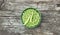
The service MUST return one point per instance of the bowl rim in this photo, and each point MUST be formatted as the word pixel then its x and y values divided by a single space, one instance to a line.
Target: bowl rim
pixel 37 12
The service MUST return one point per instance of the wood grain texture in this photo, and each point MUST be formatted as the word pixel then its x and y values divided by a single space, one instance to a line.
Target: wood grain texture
pixel 10 17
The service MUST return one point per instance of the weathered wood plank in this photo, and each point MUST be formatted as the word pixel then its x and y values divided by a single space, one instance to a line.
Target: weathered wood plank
pixel 49 20
pixel 17 13
pixel 10 18
pixel 14 5
pixel 29 0
pixel 10 13
pixel 12 24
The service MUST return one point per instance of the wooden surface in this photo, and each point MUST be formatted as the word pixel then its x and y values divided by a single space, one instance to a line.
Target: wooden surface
pixel 10 17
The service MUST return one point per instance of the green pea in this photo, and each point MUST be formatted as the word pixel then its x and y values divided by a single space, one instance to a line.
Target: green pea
pixel 31 17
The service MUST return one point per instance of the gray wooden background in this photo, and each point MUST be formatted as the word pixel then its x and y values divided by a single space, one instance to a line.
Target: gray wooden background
pixel 10 17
